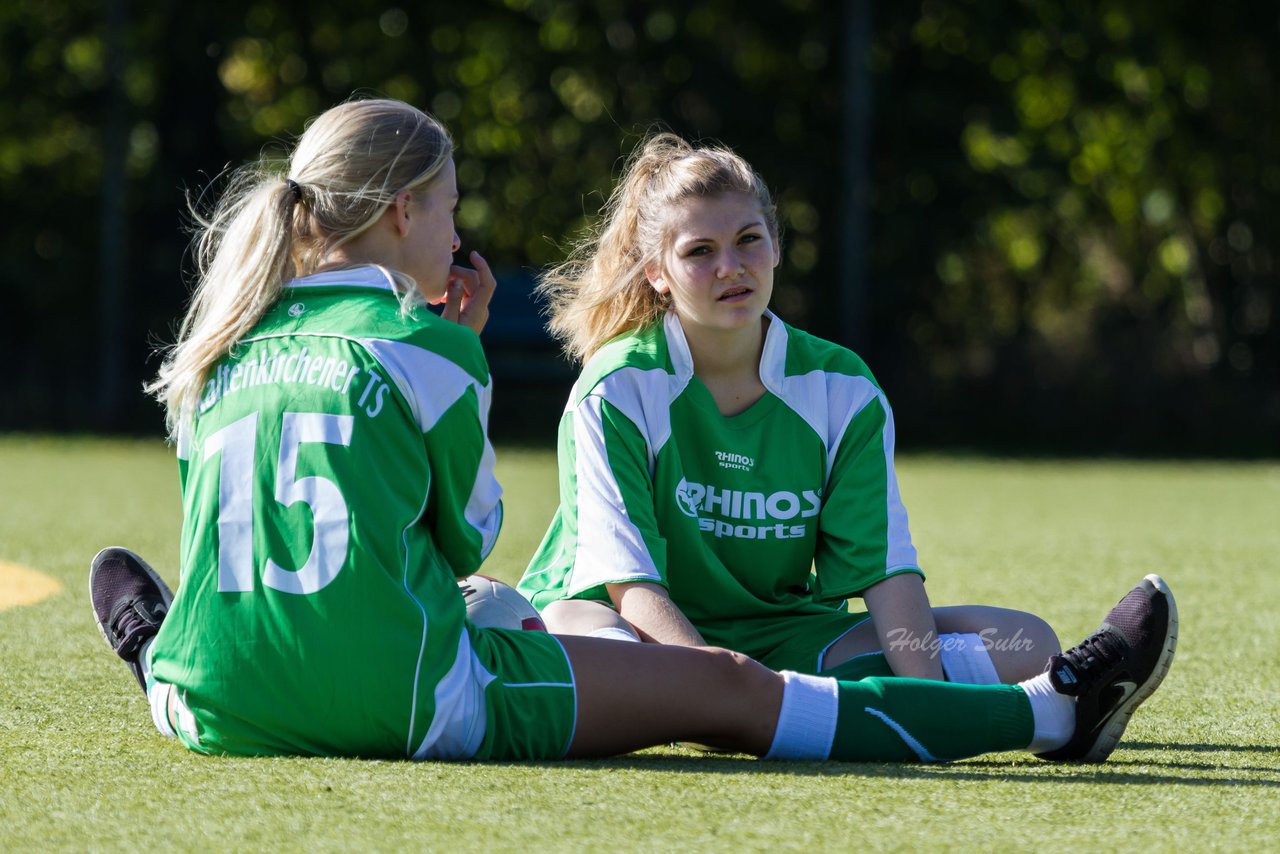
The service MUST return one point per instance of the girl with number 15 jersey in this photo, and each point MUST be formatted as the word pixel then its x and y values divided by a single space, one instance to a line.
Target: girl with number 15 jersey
pixel 290 455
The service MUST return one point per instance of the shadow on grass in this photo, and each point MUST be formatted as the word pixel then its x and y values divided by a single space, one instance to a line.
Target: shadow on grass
pixel 1118 771
pixel 1202 748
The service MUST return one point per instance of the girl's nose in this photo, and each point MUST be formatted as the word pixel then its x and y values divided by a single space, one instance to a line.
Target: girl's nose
pixel 730 267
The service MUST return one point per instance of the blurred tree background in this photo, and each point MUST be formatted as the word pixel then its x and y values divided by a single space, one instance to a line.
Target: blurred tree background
pixel 1048 226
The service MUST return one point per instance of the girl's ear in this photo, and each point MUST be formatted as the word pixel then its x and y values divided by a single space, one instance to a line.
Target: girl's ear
pixel 777 253
pixel 653 272
pixel 400 211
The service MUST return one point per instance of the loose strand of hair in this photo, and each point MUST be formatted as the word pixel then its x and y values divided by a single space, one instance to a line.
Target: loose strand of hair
pixel 243 256
pixel 602 291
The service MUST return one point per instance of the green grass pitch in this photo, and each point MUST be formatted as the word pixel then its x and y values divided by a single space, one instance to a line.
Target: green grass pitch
pixel 82 769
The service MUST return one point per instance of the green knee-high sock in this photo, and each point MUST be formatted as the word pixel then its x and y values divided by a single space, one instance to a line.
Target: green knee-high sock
pixel 896 720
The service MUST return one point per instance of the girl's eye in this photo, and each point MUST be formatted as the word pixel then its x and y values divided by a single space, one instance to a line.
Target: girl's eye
pixel 697 250
pixel 749 238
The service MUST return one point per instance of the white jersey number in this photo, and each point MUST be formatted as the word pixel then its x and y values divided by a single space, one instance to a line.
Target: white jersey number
pixel 237 442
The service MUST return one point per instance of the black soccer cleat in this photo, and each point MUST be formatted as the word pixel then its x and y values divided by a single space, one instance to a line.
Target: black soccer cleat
pixel 130 600
pixel 1115 669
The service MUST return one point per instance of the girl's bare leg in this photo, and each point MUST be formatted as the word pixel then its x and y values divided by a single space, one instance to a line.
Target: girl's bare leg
pixel 1019 643
pixel 632 696
pixel 582 617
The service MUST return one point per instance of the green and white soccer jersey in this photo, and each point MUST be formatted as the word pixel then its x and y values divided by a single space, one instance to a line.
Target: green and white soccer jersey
pixel 335 479
pixel 786 509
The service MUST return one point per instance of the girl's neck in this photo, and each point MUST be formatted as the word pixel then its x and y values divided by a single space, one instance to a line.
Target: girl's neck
pixel 728 363
pixel 726 353
pixel 342 259
pixel 374 246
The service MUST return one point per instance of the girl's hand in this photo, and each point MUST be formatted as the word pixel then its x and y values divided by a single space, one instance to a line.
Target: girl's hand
pixel 467 293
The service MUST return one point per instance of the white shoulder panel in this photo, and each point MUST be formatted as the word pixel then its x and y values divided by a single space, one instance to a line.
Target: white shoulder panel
pixel 429 382
pixel 644 397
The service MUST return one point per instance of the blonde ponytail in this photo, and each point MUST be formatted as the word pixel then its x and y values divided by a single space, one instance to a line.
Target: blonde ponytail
pixel 601 291
pixel 271 225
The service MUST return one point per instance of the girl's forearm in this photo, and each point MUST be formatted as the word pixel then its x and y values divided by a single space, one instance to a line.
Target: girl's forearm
pixel 900 610
pixel 649 609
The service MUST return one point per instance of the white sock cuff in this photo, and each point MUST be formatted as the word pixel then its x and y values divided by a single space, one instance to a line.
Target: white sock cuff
pixel 157 692
pixel 158 697
pixel 1053 714
pixel 613 633
pixel 966 659
pixel 807 721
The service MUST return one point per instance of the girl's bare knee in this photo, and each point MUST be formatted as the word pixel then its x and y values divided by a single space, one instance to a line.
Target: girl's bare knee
pixel 580 617
pixel 741 674
pixel 1021 651
pixel 1044 637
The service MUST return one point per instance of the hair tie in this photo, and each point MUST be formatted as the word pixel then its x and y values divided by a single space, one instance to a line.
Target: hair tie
pixel 295 188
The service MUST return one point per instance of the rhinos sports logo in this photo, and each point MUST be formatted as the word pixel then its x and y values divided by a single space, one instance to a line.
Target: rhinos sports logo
pixel 740 513
pixel 685 501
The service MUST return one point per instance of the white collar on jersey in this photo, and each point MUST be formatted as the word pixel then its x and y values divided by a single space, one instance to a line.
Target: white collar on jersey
pixel 368 276
pixel 773 359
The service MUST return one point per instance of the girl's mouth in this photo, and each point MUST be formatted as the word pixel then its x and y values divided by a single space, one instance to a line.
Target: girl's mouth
pixel 733 293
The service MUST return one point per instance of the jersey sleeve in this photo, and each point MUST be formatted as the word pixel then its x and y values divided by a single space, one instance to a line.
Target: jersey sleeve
pixel 451 406
pixel 609 485
pixel 863 536
pixel 464 506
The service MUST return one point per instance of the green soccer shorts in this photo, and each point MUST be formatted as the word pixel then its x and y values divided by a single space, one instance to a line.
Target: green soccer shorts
pixel 531 706
pixel 799 641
